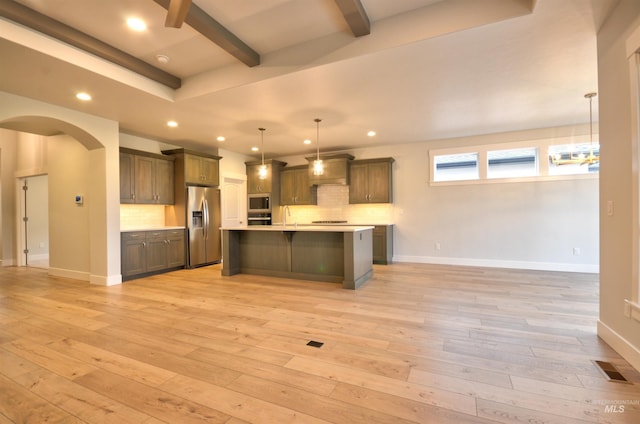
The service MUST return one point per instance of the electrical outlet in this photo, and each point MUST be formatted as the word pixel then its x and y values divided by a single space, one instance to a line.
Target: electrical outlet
pixel 627 309
pixel 437 246
pixel 576 251
pixel 610 207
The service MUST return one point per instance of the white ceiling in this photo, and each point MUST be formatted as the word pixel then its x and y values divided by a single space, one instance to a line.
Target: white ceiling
pixel 430 69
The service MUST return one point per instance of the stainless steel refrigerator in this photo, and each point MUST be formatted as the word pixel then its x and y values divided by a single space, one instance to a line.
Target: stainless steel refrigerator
pixel 203 225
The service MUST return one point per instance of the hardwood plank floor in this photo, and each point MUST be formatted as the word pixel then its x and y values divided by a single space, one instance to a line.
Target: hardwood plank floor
pixel 416 344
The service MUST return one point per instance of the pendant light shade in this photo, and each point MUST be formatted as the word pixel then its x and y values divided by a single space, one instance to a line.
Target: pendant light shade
pixel 262 170
pixel 318 167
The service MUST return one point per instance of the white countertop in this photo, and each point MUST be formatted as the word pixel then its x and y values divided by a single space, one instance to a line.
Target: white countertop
pixel 143 228
pixel 309 228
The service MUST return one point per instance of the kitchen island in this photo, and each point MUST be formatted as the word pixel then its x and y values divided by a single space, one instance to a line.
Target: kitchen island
pixel 339 254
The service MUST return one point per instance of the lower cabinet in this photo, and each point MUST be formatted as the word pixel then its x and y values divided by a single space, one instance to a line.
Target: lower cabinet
pixel 382 244
pixel 151 252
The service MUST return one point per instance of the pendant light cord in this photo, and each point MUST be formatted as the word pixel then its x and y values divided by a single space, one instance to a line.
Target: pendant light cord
pixel 318 120
pixel 262 143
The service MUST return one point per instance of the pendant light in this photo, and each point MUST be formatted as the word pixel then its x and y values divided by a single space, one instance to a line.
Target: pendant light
pixel 318 167
pixel 592 158
pixel 262 170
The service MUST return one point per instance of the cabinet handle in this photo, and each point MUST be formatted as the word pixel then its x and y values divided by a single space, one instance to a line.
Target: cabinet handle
pixel 144 244
pixel 133 196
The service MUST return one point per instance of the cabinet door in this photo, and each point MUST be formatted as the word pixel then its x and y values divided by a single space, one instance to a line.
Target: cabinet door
pixel 210 173
pixel 287 187
pixel 145 170
pixel 379 182
pixel 164 182
pixel 175 248
pixel 133 256
pixel 192 171
pixel 156 251
pixel 127 178
pixel 303 193
pixel 254 183
pixel 358 186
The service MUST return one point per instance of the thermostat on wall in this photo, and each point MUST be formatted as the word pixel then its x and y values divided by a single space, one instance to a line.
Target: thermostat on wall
pixel 79 199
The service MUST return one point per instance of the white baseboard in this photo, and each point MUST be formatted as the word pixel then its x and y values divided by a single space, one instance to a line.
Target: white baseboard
pixel 492 263
pixel 41 257
pixel 7 262
pixel 109 280
pixel 621 345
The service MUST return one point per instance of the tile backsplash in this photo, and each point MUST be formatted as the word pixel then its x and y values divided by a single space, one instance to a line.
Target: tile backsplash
pixel 141 216
pixel 333 205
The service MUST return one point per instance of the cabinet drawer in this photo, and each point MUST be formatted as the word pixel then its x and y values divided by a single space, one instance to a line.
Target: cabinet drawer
pixel 135 235
pixel 173 234
pixel 156 235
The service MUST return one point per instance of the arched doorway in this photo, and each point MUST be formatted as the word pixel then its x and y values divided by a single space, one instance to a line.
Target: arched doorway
pixel 82 159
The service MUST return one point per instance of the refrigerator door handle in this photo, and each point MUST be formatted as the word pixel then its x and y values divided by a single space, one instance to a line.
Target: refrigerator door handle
pixel 205 212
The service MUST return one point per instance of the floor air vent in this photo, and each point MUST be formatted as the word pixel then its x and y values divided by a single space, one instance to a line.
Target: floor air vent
pixel 610 372
pixel 315 344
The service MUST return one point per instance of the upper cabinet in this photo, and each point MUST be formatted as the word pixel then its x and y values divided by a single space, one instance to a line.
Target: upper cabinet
pixel 195 168
pixel 295 188
pixel 270 184
pixel 371 181
pixel 336 169
pixel 145 178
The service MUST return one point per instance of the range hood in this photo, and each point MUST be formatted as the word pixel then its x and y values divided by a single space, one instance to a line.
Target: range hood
pixel 336 169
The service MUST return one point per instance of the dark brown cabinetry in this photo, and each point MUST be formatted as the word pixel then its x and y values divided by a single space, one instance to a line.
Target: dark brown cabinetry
pixel 382 244
pixel 195 168
pixel 145 178
pixel 150 252
pixel 371 181
pixel 271 184
pixel 295 188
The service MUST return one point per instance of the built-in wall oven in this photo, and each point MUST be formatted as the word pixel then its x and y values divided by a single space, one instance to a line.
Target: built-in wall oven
pixel 259 209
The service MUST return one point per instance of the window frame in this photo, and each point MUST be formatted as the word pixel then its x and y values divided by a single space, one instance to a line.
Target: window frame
pixel 541 146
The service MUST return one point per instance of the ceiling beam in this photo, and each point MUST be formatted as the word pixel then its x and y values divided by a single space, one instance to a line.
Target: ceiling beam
pixel 356 16
pixel 56 29
pixel 199 20
pixel 177 11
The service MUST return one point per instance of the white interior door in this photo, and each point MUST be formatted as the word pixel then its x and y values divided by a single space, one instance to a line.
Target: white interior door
pixel 34 217
pixel 234 200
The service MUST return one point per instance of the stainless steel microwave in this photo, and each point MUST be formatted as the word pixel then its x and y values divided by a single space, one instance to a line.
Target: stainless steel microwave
pixel 259 202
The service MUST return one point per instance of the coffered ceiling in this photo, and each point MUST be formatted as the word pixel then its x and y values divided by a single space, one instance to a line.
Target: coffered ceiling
pixel 427 69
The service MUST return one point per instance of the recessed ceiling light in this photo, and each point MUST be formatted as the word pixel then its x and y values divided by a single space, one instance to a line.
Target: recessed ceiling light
pixel 172 124
pixel 220 138
pixel 371 133
pixel 85 97
pixel 162 58
pixel 136 24
pixel 254 149
pixel 307 141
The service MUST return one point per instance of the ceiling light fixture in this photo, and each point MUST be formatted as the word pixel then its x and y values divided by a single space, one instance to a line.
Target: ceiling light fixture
pixel 307 141
pixel 254 149
pixel 592 158
pixel 220 138
pixel 371 133
pixel 85 97
pixel 162 58
pixel 136 24
pixel 318 167
pixel 172 124
pixel 262 170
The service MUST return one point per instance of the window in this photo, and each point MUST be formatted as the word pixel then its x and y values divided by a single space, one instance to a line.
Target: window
pixel 574 158
pixel 556 158
pixel 512 163
pixel 456 167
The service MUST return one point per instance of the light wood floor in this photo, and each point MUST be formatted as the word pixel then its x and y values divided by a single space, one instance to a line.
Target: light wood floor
pixel 417 344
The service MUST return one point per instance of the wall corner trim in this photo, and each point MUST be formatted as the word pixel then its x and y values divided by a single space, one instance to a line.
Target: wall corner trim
pixel 108 280
pixel 621 345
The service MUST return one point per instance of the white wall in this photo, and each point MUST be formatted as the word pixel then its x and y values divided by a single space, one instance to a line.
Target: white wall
pixel 617 173
pixel 8 231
